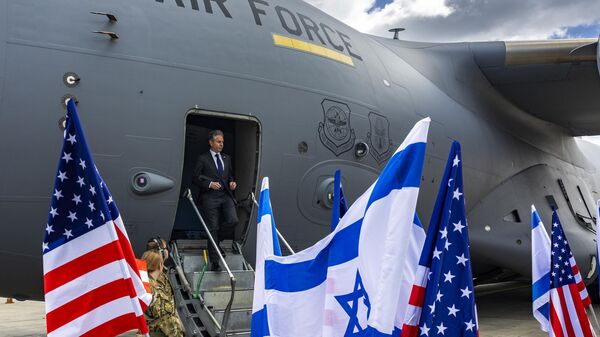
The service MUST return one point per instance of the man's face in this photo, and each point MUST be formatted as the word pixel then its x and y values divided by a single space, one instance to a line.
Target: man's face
pixel 216 144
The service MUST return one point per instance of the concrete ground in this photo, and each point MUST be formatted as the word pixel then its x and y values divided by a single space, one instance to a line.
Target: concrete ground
pixel 22 319
pixel 504 311
pixel 25 319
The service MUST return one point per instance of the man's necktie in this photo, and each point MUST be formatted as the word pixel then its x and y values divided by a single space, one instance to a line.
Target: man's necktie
pixel 219 165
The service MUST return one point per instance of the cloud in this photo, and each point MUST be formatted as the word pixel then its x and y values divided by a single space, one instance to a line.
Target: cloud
pixel 579 31
pixel 468 20
pixel 365 16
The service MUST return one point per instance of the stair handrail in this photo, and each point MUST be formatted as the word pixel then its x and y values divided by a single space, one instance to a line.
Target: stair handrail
pixel 223 330
pixel 179 269
pixel 285 243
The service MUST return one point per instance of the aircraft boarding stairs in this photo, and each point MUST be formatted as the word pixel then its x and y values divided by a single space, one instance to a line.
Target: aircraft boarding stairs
pixel 212 304
pixel 207 301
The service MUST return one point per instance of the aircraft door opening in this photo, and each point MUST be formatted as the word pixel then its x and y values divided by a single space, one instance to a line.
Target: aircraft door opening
pixel 242 144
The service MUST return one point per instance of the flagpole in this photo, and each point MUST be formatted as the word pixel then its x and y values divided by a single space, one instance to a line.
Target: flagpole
pixel 285 243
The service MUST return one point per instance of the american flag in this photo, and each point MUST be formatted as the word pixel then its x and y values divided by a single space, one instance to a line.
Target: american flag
pixel 567 311
pixel 442 301
pixel 92 283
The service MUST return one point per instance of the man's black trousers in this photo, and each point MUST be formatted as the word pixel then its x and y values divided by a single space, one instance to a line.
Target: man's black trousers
pixel 220 216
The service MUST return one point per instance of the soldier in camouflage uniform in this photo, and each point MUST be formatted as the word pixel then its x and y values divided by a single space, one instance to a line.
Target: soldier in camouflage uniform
pixel 159 245
pixel 163 280
pixel 161 315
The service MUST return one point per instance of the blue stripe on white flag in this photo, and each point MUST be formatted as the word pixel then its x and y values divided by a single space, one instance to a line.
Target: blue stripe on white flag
pixel 540 287
pixel 309 274
pixel 540 270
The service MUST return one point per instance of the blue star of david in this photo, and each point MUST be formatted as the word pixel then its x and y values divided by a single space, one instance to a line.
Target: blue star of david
pixel 350 304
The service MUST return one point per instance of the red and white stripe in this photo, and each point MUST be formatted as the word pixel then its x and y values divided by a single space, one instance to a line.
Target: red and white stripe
pixel 138 284
pixel 143 268
pixel 410 328
pixel 585 297
pixel 90 289
pixel 567 313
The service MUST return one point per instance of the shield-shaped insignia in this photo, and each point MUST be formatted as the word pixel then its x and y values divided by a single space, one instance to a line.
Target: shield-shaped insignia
pixel 379 137
pixel 335 131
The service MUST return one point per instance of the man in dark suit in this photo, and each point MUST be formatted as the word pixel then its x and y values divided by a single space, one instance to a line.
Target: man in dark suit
pixel 214 176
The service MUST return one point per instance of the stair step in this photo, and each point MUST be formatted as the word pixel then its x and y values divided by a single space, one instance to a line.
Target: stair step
pixel 219 281
pixel 218 299
pixel 239 319
pixel 195 262
pixel 239 334
pixel 196 246
pixel 185 245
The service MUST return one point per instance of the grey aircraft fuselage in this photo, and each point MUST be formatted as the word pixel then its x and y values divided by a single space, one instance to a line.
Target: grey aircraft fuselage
pixel 316 88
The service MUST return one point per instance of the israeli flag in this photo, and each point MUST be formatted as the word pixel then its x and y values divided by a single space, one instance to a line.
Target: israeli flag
pixel 540 270
pixel 267 245
pixel 349 283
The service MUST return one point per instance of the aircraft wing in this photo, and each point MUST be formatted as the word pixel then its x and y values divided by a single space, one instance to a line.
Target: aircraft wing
pixel 556 80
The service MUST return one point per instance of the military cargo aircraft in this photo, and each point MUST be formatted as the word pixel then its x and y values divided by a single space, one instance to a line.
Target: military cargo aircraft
pixel 298 94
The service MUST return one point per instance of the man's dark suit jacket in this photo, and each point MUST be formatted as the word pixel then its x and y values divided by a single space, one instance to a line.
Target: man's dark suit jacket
pixel 206 171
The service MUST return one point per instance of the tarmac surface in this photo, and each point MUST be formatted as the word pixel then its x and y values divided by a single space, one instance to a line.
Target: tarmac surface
pixel 25 319
pixel 504 311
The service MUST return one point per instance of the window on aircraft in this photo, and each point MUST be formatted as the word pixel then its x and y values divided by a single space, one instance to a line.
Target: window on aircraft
pixel 576 196
pixel 551 202
pixel 587 207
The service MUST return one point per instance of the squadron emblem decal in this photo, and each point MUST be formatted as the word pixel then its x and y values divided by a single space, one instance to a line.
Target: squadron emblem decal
pixel 379 137
pixel 335 131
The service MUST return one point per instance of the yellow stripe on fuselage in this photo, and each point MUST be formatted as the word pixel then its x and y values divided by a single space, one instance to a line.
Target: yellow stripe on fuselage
pixel 288 42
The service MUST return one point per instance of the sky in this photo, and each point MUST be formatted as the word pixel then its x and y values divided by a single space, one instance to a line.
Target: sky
pixel 469 20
